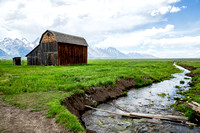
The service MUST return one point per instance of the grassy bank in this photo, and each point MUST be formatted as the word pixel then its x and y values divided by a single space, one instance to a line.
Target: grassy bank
pixel 194 93
pixel 45 87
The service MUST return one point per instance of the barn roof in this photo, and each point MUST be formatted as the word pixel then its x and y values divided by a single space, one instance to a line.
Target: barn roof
pixel 66 38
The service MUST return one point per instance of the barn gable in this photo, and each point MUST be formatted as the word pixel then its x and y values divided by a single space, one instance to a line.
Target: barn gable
pixel 47 37
pixel 58 49
pixel 53 36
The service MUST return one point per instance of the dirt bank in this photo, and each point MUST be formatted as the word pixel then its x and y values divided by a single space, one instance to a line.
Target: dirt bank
pixel 76 103
pixel 191 74
pixel 190 68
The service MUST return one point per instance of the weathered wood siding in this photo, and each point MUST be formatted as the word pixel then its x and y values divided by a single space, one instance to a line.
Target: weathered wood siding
pixel 34 58
pixel 49 53
pixel 71 54
pixel 48 49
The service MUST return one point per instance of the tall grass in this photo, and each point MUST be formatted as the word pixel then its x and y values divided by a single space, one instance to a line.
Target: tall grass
pixel 194 93
pixel 22 79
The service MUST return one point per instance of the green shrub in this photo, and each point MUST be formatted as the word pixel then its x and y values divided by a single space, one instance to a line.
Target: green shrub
pixel 182 82
pixel 178 87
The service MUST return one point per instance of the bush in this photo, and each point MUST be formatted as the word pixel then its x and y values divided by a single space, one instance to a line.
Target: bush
pixel 182 82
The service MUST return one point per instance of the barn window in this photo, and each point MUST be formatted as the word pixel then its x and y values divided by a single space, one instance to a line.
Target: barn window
pixel 48 34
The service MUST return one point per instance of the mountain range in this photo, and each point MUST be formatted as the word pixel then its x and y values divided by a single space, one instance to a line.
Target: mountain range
pixel 20 47
pixel 113 53
pixel 16 47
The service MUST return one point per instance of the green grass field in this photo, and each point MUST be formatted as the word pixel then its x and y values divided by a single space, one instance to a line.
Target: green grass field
pixel 45 87
pixel 194 93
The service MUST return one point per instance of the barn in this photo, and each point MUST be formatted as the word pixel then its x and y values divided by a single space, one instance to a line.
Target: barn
pixel 57 49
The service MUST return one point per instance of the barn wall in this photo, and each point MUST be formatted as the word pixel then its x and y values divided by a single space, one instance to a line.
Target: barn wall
pixel 49 53
pixel 34 57
pixel 71 54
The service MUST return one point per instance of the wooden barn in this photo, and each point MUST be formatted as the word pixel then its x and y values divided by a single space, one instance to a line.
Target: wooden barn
pixel 58 49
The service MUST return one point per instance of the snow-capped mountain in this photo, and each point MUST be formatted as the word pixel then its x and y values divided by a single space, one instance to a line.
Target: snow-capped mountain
pixel 17 47
pixel 2 53
pixel 113 53
pixel 21 47
pixel 139 55
pixel 94 52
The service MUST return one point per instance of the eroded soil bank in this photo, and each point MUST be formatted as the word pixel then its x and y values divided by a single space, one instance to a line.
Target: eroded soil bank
pixel 191 68
pixel 76 103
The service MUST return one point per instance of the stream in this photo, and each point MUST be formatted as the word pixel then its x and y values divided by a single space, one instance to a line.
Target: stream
pixel 142 100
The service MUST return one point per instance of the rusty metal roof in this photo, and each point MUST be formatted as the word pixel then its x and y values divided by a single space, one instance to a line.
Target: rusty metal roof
pixel 66 38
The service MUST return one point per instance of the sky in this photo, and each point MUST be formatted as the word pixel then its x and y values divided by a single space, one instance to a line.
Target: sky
pixel 163 28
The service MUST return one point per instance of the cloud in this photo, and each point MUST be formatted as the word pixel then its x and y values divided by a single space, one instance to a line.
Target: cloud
pixel 173 1
pixel 60 2
pixel 166 9
pixel 190 53
pixel 136 38
pixel 155 41
pixel 180 42
pixel 175 9
pixel 11 34
pixel 60 21
pixel 105 23
pixel 93 19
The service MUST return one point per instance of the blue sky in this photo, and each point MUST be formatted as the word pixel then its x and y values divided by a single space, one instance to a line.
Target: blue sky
pixel 163 28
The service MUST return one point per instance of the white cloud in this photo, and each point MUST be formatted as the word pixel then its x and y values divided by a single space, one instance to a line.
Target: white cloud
pixel 181 42
pixel 175 9
pixel 134 38
pixel 155 41
pixel 184 7
pixel 93 19
pixel 173 1
pixel 107 23
pixel 166 9
pixel 190 53
pixel 161 11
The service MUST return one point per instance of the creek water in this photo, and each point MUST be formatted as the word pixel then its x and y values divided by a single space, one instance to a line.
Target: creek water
pixel 142 100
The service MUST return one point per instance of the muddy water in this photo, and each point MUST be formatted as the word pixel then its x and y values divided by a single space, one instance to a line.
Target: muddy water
pixel 142 100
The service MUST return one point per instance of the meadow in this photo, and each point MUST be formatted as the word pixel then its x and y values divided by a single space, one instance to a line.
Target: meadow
pixel 194 93
pixel 46 87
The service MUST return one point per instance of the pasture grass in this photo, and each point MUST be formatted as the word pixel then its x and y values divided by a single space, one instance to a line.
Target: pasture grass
pixel 36 100
pixel 23 79
pixel 46 87
pixel 192 94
